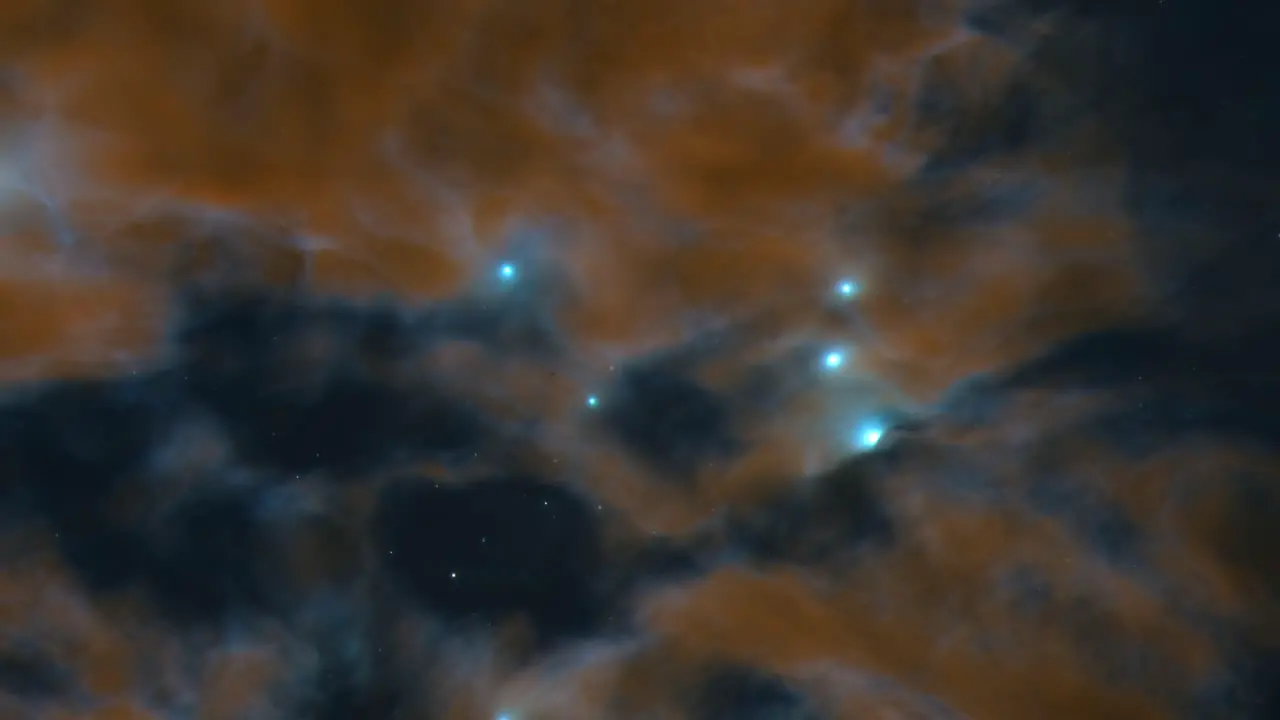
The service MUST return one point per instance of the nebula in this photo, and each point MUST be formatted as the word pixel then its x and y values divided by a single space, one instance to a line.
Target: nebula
pixel 555 360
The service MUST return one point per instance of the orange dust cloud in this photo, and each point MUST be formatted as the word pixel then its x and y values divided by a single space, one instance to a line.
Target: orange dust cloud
pixel 56 326
pixel 775 622
pixel 699 152
pixel 1001 609
pixel 236 684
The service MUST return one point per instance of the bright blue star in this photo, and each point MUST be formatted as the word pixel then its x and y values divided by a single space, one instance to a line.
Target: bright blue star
pixel 868 435
pixel 505 716
pixel 592 401
pixel 507 272
pixel 847 288
pixel 833 360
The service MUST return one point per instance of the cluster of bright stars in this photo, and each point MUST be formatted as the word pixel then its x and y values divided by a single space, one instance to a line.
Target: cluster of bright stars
pixel 865 437
pixel 868 434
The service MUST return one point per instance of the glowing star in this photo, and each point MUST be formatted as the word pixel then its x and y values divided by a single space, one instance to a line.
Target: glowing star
pixel 505 716
pixel 868 435
pixel 833 360
pixel 507 272
pixel 847 288
pixel 593 401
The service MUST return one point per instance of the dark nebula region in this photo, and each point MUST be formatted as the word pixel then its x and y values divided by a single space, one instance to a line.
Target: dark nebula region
pixel 641 359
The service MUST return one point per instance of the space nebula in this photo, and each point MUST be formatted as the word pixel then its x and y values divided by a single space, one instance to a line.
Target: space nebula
pixel 639 359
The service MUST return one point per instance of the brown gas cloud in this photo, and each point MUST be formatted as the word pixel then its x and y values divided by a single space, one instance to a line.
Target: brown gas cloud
pixel 699 156
pixel 713 159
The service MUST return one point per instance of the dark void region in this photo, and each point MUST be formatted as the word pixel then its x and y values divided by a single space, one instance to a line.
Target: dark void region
pixel 354 680
pixel 292 387
pixel 30 676
pixel 1245 687
pixel 825 518
pixel 493 550
pixel 1172 383
pixel 205 558
pixel 1183 93
pixel 303 388
pixel 313 394
pixel 741 693
pixel 669 421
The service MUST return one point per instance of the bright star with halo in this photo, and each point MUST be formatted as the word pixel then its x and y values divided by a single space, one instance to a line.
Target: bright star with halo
pixel 847 288
pixel 868 435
